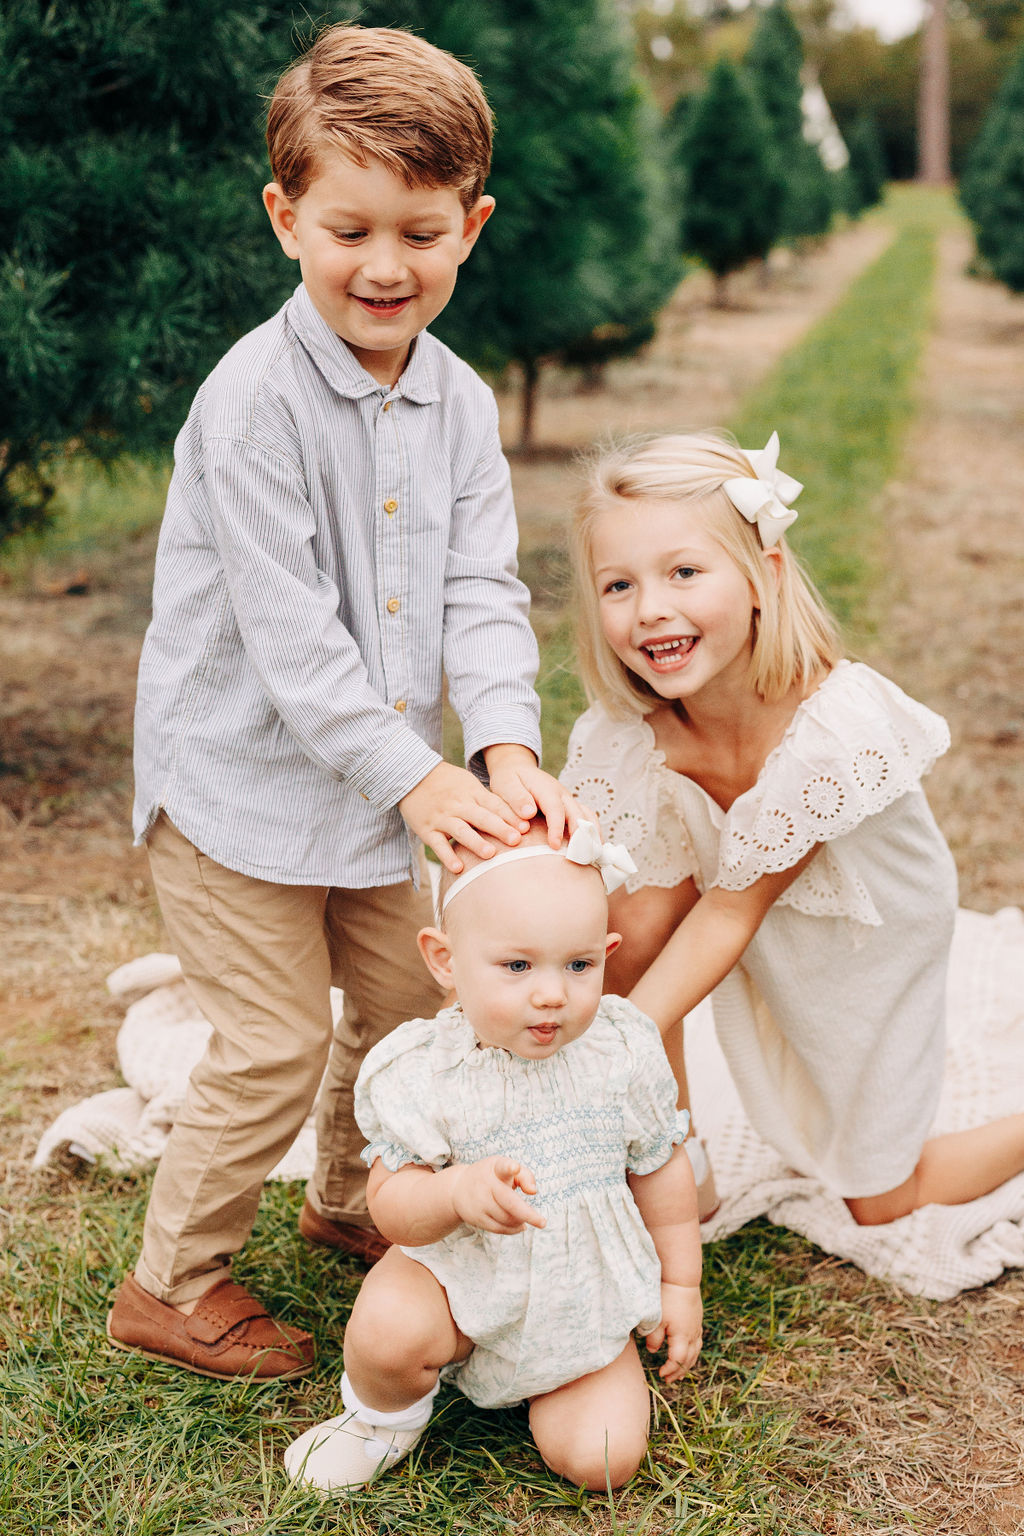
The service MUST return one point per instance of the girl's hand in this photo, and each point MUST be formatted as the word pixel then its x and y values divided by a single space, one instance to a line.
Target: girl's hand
pixel 485 1196
pixel 680 1327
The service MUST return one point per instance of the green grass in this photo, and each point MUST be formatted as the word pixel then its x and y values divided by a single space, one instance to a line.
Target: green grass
pixel 100 1443
pixel 841 401
pixel 95 513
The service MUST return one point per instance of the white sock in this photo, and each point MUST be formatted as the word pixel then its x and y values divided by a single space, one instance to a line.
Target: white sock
pixel 413 1417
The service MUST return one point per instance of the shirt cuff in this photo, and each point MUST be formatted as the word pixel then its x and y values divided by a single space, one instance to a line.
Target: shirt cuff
pixel 386 776
pixel 512 723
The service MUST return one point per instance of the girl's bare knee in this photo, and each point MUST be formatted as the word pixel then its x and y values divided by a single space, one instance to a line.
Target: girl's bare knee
pixel 879 1210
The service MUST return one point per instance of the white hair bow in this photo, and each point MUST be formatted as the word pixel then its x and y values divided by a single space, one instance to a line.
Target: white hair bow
pixel 613 859
pixel 766 500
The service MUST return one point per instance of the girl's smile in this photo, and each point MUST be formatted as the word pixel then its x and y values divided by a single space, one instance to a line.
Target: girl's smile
pixel 675 608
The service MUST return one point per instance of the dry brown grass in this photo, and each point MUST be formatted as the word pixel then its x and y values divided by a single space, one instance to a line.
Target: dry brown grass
pixel 955 632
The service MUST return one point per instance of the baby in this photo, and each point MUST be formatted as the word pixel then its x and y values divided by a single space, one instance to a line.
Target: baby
pixel 526 1162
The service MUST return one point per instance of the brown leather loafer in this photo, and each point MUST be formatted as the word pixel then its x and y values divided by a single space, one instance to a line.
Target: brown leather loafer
pixel 230 1334
pixel 365 1243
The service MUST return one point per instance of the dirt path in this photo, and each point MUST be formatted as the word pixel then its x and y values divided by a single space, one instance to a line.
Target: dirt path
pixel 694 374
pixel 955 634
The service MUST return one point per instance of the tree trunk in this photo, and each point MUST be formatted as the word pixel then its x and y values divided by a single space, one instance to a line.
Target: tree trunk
pixel 933 100
pixel 531 377
pixel 720 291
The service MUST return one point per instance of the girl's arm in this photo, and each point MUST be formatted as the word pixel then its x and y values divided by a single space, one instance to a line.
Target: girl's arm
pixel 416 1206
pixel 707 944
pixel 667 1201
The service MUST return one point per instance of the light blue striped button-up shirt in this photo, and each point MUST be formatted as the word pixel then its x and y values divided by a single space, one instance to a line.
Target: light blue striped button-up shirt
pixel 330 547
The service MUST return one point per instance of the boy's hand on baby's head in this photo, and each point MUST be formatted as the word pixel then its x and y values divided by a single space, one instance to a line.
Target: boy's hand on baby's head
pixel 450 803
pixel 682 1313
pixel 530 792
pixel 485 1196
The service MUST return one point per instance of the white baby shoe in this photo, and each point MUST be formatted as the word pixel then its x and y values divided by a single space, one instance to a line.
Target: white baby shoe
pixel 350 1450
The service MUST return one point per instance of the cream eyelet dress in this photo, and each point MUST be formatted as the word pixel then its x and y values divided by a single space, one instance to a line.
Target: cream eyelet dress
pixel 833 1021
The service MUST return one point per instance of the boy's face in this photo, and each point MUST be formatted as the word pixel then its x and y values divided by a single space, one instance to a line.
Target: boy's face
pixel 379 259
pixel 524 948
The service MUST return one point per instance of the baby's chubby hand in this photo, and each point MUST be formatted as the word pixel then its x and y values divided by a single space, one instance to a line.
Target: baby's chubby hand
pixel 682 1312
pixel 485 1196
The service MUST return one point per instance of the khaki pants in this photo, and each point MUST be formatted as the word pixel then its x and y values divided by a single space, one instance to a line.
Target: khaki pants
pixel 259 959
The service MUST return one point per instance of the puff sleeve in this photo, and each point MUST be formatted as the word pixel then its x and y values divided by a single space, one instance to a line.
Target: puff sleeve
pixel 395 1100
pixel 854 747
pixel 652 1123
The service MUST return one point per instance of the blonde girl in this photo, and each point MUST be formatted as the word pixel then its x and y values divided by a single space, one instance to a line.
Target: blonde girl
pixel 769 791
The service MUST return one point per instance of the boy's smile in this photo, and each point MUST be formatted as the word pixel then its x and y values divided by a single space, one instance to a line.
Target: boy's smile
pixel 379 259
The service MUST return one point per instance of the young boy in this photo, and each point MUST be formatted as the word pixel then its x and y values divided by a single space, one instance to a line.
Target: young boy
pixel 339 532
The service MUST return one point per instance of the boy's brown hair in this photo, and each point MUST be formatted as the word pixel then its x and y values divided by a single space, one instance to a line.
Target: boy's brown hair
pixel 381 92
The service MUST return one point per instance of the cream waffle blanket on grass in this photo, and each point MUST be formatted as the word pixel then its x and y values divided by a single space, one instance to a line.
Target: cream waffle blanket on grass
pixel 936 1252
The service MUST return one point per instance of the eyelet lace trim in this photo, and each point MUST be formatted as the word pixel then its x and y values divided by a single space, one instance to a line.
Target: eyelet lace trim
pixel 853 748
pixel 609 769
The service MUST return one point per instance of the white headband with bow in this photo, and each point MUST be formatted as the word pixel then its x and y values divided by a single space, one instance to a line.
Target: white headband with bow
pixel 765 500
pixel 612 860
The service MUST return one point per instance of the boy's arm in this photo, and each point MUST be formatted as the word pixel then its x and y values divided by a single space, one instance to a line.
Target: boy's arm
pixel 490 654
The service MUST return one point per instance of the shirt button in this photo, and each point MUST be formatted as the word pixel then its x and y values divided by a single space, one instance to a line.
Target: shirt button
pixel 400 706
pixel 387 405
pixel 390 507
pixel 393 605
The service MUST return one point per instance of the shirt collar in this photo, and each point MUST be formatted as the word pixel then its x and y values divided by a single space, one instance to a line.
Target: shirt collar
pixel 341 369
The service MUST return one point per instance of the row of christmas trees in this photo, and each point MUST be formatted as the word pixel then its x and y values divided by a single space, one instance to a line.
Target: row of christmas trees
pixel 133 248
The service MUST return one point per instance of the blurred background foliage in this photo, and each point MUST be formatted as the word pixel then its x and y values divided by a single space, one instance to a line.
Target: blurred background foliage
pixel 134 250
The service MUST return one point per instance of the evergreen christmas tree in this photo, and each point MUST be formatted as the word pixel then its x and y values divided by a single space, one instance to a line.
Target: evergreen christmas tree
pixel 133 248
pixel 865 174
pixel 774 61
pixel 992 186
pixel 731 195
pixel 581 254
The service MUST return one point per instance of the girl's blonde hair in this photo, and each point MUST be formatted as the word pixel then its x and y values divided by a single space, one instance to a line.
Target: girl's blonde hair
pixel 794 637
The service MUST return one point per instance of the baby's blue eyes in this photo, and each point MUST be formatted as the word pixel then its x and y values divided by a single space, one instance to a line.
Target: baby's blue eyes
pixel 520 967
